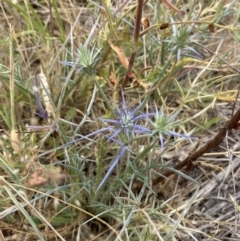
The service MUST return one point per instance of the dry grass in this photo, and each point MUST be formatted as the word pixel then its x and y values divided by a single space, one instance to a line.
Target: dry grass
pixel 49 178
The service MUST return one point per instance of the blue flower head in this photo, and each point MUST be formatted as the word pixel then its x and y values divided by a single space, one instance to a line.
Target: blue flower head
pixel 127 121
pixel 131 124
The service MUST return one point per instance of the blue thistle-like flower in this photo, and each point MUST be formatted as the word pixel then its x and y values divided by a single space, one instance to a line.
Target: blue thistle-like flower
pixel 129 124
pixel 126 123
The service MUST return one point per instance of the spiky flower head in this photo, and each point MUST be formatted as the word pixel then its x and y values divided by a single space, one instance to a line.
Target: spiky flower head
pixel 164 124
pixel 86 59
pixel 127 121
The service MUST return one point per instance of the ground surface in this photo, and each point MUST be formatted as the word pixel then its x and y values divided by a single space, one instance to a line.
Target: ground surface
pixel 186 62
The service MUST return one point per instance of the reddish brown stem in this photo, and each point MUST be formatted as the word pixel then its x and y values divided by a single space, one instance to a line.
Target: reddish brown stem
pixel 207 147
pixel 136 37
pixel 173 7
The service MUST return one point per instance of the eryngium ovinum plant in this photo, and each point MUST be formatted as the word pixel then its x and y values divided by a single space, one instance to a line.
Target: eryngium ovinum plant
pixel 136 133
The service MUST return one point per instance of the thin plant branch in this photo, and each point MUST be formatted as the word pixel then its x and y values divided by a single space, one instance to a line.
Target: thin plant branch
pixel 137 29
pixel 214 142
